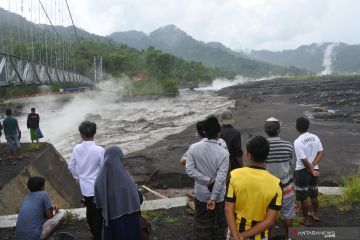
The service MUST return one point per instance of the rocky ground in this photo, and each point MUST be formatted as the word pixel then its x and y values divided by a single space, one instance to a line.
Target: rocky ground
pixel 332 104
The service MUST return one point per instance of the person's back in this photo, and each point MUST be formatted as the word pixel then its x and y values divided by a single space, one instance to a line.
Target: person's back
pixel 253 195
pixel 232 137
pixel 33 211
pixel 307 145
pixel 208 156
pixel 88 158
pixel 255 190
pixel 33 120
pixel 31 216
pixel 10 126
pixel 86 161
pixel 208 164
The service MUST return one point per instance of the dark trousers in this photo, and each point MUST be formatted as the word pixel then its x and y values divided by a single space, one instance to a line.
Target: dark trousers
pixel 94 218
pixel 209 225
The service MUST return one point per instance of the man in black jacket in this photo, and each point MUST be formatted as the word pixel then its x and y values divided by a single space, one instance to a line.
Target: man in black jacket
pixel 232 138
pixel 33 121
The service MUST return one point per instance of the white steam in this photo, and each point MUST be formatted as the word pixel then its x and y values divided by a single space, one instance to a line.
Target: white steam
pixel 328 58
pixel 221 83
pixel 132 125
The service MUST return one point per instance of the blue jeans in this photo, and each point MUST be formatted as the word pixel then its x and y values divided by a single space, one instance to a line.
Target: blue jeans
pixel 13 141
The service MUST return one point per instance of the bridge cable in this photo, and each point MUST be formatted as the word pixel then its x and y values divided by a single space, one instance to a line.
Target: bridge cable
pixel 10 33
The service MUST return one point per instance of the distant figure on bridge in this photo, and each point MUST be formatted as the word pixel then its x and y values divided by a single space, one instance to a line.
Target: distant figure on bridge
pixel 117 195
pixel 86 161
pixel 36 219
pixel 32 123
pixel 232 138
pixel 12 133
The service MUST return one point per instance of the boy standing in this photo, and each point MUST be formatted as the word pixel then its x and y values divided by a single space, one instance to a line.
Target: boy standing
pixel 309 152
pixel 253 195
pixel 86 161
pixel 33 121
pixel 12 133
pixel 208 164
pixel 278 163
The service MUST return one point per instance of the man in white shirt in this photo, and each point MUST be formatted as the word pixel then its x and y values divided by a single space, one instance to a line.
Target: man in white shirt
pixel 309 152
pixel 86 161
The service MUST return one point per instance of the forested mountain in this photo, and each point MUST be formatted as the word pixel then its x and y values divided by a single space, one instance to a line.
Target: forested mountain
pixel 173 40
pixel 344 58
pixel 151 70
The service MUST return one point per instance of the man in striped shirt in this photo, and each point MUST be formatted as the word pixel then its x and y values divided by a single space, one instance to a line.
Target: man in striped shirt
pixel 278 163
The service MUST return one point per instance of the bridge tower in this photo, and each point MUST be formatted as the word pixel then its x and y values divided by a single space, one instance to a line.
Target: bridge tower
pixel 98 69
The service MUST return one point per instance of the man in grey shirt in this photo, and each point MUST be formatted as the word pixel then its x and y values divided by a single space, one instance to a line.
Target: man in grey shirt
pixel 208 164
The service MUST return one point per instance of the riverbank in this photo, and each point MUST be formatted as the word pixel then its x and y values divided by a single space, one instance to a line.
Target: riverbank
pixel 254 103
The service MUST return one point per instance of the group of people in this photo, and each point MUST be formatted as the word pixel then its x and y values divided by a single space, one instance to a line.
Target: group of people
pixel 237 202
pixel 110 194
pixel 12 131
pixel 233 200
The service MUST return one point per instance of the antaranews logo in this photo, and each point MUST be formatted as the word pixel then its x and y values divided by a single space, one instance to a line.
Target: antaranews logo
pixel 324 233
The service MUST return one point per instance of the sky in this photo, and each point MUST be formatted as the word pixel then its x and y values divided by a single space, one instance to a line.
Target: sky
pixel 238 24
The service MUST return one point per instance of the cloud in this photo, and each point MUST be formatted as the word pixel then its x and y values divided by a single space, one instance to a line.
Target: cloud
pixel 239 24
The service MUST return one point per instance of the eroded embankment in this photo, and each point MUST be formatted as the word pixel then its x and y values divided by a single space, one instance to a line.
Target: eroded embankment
pixel 46 162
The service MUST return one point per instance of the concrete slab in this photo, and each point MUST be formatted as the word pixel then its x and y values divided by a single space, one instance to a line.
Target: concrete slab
pixel 10 220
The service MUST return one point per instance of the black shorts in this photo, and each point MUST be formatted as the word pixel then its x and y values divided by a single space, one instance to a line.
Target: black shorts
pixel 306 185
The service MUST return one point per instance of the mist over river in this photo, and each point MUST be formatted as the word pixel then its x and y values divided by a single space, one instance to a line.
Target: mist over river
pixel 132 125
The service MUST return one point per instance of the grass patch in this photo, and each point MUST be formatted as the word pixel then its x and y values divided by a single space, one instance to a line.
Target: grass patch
pixel 351 194
pixel 351 190
pixel 336 201
pixel 70 217
pixel 160 218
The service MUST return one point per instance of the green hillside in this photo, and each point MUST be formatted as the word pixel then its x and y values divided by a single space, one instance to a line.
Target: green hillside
pixel 150 70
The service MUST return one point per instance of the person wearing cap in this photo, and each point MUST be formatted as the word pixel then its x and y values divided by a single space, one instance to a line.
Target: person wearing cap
pixel 208 164
pixel 309 152
pixel 200 133
pixel 232 137
pixel 278 163
pixel 85 163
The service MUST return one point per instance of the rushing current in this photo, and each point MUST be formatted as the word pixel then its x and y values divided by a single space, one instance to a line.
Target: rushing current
pixel 132 125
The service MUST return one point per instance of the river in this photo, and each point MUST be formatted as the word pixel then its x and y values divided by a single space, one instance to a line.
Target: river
pixel 130 125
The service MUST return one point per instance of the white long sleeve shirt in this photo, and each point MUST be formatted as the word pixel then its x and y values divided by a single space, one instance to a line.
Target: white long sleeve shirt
pixel 86 161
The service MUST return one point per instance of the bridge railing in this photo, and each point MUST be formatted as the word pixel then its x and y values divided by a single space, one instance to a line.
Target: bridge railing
pixel 18 71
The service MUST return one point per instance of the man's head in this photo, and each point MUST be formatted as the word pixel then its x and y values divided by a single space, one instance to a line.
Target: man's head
pixel 33 110
pixel 226 118
pixel 87 130
pixel 302 124
pixel 8 111
pixel 257 149
pixel 272 127
pixel 200 129
pixel 212 127
pixel 36 184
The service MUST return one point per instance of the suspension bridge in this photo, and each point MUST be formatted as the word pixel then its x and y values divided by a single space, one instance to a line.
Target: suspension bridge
pixel 39 43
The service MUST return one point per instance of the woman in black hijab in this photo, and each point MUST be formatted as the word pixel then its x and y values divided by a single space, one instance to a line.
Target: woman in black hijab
pixel 117 195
